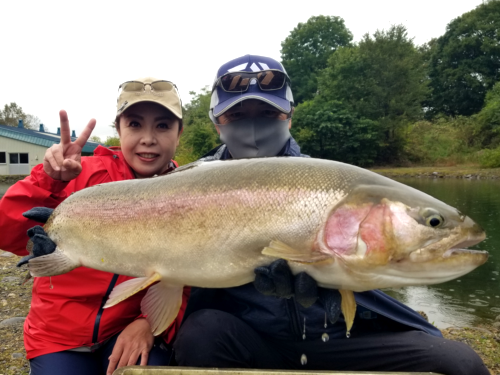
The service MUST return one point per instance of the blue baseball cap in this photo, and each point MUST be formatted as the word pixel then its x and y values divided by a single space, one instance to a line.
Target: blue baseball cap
pixel 221 100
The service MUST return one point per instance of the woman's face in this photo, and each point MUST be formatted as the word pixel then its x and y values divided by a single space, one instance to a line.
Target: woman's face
pixel 149 135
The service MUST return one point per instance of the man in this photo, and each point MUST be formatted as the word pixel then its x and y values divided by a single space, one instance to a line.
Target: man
pixel 240 327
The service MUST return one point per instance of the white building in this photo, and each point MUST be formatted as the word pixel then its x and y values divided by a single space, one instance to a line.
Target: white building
pixel 21 149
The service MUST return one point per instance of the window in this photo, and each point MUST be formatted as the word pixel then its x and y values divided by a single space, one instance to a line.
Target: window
pixel 18 158
pixel 3 159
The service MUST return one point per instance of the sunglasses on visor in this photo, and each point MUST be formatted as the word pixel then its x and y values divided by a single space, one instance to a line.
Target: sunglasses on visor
pixel 268 80
pixel 136 86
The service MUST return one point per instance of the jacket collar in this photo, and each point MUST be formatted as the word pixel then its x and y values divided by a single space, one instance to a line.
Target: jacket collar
pixel 221 152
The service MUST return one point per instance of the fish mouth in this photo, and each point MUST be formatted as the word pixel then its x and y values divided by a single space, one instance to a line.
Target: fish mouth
pixel 451 247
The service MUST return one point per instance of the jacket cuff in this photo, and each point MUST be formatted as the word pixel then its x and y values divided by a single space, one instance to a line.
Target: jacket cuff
pixel 48 183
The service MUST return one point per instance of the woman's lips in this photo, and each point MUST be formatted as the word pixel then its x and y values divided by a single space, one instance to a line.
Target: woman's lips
pixel 147 157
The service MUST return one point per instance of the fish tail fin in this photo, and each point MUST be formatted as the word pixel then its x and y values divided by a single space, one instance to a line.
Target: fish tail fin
pixel 26 278
pixel 55 263
pixel 38 245
pixel 160 305
pixel 40 214
pixel 26 259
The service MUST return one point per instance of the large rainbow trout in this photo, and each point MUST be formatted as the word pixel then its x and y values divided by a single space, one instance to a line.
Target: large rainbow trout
pixel 211 224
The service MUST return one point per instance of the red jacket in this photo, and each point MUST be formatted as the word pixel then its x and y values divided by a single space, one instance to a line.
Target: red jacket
pixel 66 310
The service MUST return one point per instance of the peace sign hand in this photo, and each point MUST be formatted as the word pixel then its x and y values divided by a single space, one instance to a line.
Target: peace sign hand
pixel 63 161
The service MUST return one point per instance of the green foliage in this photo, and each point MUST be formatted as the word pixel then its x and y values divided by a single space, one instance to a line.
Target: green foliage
pixel 490 158
pixel 445 140
pixel 306 51
pixel 199 135
pixel 95 138
pixel 12 113
pixel 466 61
pixel 489 118
pixel 381 79
pixel 328 130
pixel 112 141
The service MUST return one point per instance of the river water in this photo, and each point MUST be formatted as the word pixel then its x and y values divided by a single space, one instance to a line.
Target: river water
pixel 475 297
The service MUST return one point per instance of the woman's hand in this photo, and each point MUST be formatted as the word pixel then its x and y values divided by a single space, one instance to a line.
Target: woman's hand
pixel 63 161
pixel 134 341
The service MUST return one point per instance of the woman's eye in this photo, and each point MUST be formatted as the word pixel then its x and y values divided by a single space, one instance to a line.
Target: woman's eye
pixel 163 125
pixel 134 124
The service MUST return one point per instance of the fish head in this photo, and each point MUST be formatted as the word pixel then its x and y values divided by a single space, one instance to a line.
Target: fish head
pixel 393 236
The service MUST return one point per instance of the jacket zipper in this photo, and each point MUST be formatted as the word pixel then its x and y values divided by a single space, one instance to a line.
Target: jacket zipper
pixel 293 314
pixel 95 335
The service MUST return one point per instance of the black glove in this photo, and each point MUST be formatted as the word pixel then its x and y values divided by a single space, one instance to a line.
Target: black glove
pixel 41 244
pixel 277 280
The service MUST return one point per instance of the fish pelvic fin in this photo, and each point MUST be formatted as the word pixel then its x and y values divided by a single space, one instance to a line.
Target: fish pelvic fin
pixel 161 305
pixel 280 249
pixel 348 307
pixel 53 264
pixel 130 287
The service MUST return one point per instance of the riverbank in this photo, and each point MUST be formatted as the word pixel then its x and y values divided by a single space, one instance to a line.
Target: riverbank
pixel 15 300
pixel 11 179
pixel 467 172
pixel 462 171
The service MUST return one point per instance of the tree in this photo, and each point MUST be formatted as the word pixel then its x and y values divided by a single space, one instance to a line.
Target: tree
pixel 112 141
pixel 466 61
pixel 489 118
pixel 382 79
pixel 328 130
pixel 199 135
pixel 306 51
pixel 12 113
pixel 95 138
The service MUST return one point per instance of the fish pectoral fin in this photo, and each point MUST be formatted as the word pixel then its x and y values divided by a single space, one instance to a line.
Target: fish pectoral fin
pixel 348 307
pixel 129 288
pixel 52 264
pixel 161 305
pixel 280 249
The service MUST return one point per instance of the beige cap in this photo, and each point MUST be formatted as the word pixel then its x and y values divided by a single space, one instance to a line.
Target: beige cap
pixel 149 90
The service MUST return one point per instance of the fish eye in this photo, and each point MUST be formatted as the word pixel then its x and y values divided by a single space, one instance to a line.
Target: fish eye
pixel 434 221
pixel 432 218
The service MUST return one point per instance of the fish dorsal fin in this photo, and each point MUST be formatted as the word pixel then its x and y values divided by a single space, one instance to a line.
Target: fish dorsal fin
pixel 129 288
pixel 186 167
pixel 348 307
pixel 161 306
pixel 280 249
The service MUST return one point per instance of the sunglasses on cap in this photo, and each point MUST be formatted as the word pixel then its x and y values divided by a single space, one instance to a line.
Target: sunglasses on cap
pixel 268 80
pixel 156 86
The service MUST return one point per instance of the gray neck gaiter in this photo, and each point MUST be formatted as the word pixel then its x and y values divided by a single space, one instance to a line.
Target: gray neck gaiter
pixel 255 137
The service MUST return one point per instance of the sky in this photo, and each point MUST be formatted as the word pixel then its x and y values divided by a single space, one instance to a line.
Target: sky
pixel 73 55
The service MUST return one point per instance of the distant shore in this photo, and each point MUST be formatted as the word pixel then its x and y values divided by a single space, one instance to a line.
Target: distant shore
pixel 467 172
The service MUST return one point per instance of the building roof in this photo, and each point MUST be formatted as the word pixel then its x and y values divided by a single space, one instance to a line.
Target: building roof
pixel 39 138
